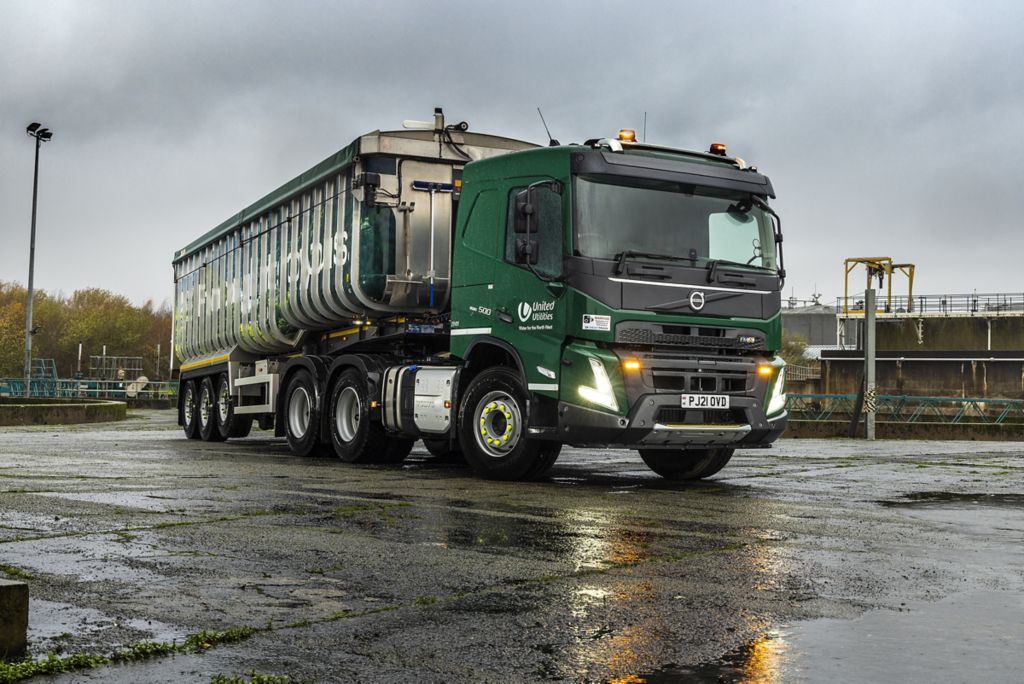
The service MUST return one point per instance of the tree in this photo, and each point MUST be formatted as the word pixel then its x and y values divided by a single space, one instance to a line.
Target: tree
pixel 93 317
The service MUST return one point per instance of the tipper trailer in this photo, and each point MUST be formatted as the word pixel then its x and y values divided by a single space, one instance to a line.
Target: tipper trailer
pixel 495 299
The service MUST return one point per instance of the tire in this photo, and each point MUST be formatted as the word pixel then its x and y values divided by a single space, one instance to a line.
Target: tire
pixel 395 451
pixel 229 425
pixel 444 451
pixel 686 464
pixel 492 429
pixel 207 411
pixel 190 409
pixel 355 438
pixel 301 419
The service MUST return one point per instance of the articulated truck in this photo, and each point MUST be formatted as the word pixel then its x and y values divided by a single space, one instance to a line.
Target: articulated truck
pixel 496 299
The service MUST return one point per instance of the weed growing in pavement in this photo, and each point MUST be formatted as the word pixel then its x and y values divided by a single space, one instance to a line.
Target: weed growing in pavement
pixel 12 571
pixel 254 677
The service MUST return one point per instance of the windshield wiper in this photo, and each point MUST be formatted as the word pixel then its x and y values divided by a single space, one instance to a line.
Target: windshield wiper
pixel 622 256
pixel 713 265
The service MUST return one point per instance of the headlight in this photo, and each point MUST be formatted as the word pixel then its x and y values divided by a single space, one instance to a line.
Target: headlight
pixel 601 393
pixel 777 395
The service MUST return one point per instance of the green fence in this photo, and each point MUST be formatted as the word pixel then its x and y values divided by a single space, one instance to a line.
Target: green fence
pixel 909 409
pixel 123 390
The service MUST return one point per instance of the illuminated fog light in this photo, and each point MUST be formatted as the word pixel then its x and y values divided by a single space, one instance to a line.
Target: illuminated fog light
pixel 601 393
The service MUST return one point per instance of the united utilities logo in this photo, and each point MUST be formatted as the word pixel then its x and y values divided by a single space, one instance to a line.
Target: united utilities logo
pixel 525 311
pixel 537 311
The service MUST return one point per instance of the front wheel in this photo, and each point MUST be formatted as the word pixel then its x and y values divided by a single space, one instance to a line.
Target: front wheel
pixel 686 464
pixel 492 429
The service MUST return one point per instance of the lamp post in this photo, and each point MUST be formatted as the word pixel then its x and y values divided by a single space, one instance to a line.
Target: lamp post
pixel 34 130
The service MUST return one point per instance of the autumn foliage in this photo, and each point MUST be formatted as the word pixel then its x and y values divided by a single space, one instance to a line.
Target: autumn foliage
pixel 93 317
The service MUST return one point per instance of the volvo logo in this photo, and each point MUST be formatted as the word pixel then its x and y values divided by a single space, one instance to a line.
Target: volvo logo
pixel 697 300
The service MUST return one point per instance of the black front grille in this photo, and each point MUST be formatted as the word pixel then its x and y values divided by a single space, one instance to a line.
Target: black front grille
pixel 722 382
pixel 674 335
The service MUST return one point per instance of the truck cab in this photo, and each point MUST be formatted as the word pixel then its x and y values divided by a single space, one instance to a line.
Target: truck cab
pixel 637 291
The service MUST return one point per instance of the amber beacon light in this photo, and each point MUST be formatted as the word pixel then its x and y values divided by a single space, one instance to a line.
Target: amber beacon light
pixel 627 135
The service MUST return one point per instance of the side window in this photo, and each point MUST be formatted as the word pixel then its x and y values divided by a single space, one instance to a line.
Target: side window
pixel 545 229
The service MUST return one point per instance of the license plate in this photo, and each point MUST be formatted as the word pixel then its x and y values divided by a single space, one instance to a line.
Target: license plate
pixel 705 401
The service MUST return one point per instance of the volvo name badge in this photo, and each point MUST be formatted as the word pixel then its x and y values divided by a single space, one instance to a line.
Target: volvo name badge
pixel 697 300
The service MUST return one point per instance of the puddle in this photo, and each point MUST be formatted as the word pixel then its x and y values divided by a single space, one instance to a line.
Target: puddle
pixel 945 498
pixel 998 516
pixel 971 637
pixel 144 500
pixel 54 626
pixel 92 559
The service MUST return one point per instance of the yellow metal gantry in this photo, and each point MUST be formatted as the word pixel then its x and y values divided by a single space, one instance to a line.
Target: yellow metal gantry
pixel 883 269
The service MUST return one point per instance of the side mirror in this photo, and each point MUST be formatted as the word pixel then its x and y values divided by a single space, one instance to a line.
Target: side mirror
pixel 526 251
pixel 526 211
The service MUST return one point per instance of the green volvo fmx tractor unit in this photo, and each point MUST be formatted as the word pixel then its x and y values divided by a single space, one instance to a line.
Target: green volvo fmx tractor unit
pixel 495 299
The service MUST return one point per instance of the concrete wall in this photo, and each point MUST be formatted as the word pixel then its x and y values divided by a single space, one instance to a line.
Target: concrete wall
pixel 983 378
pixel 942 333
pixel 38 411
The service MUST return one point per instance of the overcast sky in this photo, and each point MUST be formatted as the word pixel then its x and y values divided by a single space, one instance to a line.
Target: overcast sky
pixel 887 128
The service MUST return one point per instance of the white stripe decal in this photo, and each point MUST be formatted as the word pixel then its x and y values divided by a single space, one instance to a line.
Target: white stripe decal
pixel 688 287
pixel 471 331
pixel 543 386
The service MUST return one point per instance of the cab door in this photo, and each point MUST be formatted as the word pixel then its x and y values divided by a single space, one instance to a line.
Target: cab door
pixel 529 312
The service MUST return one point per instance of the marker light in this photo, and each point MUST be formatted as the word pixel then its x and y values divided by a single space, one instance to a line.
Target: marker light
pixel 631 365
pixel 602 393
pixel 765 370
pixel 627 134
pixel 717 148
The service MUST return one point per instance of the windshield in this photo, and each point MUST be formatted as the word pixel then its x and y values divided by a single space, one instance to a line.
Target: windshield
pixel 666 218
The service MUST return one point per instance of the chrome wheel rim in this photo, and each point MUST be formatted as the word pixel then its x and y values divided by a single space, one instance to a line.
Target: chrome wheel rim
pixel 205 407
pixel 299 407
pixel 223 402
pixel 498 424
pixel 190 405
pixel 347 414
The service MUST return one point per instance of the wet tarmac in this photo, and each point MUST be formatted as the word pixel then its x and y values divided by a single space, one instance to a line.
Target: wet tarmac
pixel 816 560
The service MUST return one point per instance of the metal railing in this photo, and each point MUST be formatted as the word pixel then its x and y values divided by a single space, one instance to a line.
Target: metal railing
pixel 977 304
pixel 909 409
pixel 798 373
pixel 122 390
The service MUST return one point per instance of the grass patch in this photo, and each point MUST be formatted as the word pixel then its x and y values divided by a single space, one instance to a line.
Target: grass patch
pixel 253 677
pixel 144 650
pixel 12 571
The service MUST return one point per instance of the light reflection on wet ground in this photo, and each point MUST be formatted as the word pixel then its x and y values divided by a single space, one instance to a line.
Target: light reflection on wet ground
pixel 603 572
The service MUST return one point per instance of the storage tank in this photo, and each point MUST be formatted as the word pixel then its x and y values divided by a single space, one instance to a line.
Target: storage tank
pixel 364 234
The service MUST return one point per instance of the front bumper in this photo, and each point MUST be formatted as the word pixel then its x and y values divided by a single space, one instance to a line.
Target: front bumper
pixel 582 426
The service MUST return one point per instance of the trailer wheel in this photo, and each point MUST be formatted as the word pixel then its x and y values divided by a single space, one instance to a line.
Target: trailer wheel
pixel 207 412
pixel 686 464
pixel 301 420
pixel 356 438
pixel 190 409
pixel 229 424
pixel 492 429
